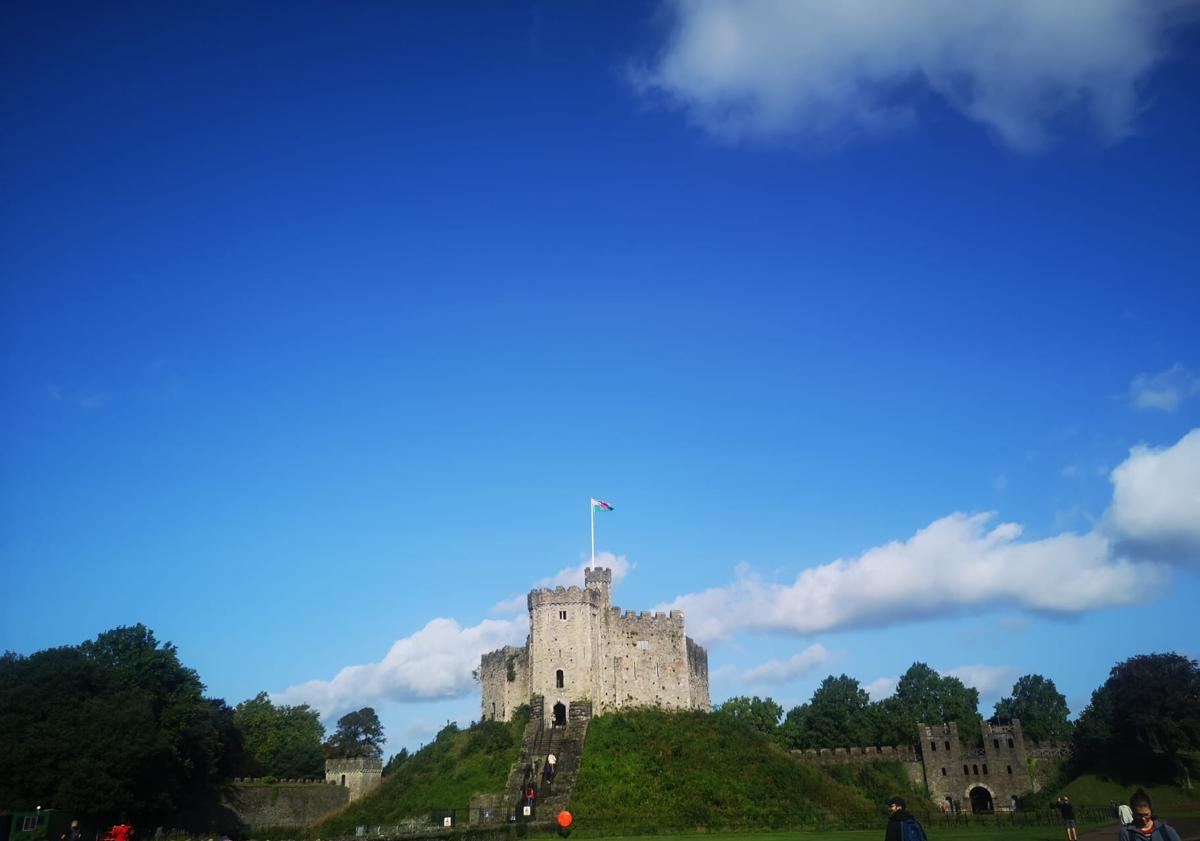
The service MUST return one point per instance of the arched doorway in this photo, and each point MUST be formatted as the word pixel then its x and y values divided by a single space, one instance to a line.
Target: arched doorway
pixel 981 800
pixel 560 714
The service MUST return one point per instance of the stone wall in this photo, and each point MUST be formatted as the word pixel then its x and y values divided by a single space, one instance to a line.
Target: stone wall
pixel 291 805
pixel 906 755
pixel 504 681
pixel 359 775
pixel 950 771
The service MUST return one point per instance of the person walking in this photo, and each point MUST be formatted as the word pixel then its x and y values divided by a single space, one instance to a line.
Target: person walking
pixel 902 826
pixel 1145 827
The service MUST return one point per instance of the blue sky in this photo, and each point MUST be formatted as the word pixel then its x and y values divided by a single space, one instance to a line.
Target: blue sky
pixel 321 325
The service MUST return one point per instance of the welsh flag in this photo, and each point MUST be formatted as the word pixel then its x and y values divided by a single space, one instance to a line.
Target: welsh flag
pixel 600 505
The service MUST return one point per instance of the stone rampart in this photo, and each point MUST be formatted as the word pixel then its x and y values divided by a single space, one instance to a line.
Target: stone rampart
pixel 359 775
pixel 284 804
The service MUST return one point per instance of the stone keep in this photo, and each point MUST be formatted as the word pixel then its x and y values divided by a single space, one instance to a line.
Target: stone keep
pixel 360 775
pixel 581 648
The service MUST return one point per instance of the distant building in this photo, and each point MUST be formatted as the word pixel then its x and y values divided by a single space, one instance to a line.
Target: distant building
pixel 581 648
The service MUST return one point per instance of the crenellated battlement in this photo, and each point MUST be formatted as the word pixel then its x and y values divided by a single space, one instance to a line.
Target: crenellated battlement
pixel 563 596
pixel 856 755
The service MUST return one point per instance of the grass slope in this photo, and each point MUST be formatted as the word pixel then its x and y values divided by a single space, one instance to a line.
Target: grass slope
pixel 650 769
pixel 442 775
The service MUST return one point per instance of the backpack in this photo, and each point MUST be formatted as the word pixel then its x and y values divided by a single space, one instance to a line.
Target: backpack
pixel 911 830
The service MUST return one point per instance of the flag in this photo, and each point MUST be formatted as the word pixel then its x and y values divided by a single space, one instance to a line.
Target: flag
pixel 600 505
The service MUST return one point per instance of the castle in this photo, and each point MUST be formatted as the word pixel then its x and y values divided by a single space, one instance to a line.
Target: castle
pixel 582 651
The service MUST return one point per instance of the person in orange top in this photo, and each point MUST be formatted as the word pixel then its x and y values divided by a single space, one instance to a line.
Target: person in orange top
pixel 1145 827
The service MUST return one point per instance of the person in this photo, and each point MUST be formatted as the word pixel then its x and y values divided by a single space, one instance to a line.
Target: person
pixel 902 826
pixel 548 774
pixel 1145 827
pixel 1068 817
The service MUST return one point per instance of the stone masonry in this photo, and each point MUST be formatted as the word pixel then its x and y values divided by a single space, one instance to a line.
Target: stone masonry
pixel 581 648
pixel 984 777
pixel 359 775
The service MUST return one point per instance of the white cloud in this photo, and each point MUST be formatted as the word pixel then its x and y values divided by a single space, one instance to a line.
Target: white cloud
pixel 963 562
pixel 956 562
pixel 882 687
pixel 781 671
pixel 1165 390
pixel 516 604
pixel 435 662
pixel 1155 511
pixel 991 681
pixel 819 70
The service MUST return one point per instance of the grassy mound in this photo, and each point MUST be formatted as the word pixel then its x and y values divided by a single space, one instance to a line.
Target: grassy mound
pixel 1169 801
pixel 442 775
pixel 649 769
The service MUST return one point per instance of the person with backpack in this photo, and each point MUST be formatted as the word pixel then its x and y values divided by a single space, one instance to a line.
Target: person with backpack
pixel 1145 826
pixel 902 826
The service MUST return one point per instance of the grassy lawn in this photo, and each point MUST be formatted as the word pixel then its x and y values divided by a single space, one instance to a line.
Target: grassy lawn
pixel 1024 833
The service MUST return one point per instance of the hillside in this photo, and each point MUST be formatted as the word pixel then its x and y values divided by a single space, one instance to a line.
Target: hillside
pixel 442 775
pixel 693 769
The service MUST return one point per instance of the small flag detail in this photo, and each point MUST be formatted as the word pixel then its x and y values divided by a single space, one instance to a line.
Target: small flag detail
pixel 601 505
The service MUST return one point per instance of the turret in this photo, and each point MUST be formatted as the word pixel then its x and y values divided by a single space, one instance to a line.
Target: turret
pixel 600 580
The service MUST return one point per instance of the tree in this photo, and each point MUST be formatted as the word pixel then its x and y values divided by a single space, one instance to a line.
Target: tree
pixel 358 734
pixel 114 725
pixel 1042 709
pixel 759 714
pixel 283 741
pixel 1144 719
pixel 395 761
pixel 838 715
pixel 924 696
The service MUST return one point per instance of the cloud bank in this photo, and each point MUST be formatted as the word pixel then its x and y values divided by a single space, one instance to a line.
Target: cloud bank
pixel 781 671
pixel 820 70
pixel 966 561
pixel 435 662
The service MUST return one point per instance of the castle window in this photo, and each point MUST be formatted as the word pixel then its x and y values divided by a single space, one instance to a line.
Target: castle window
pixel 933 745
pixel 995 743
pixel 966 771
pixel 1010 742
pixel 1010 769
pixel 562 614
pixel 947 744
pixel 558 678
pixel 943 772
pixel 985 769
pixel 493 710
pixel 975 768
pixel 644 645
pixel 343 779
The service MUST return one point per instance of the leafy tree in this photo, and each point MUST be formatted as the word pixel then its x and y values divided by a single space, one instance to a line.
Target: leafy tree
pixel 759 714
pixel 924 696
pixel 1144 719
pixel 358 734
pixel 282 741
pixel 1039 705
pixel 839 715
pixel 116 725
pixel 395 761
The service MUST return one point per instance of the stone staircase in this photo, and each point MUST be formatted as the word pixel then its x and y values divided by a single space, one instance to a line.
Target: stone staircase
pixel 538 742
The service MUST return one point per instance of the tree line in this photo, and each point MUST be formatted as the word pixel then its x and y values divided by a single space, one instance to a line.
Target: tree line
pixel 117 727
pixel 1143 721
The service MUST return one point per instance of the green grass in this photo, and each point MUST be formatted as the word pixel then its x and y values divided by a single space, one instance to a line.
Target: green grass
pixel 444 774
pixel 1168 800
pixel 1036 833
pixel 687 769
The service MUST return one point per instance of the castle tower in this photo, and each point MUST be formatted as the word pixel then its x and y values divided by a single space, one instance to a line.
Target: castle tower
pixel 600 580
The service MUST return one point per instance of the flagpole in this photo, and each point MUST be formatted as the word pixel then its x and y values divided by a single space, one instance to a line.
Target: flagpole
pixel 592 509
